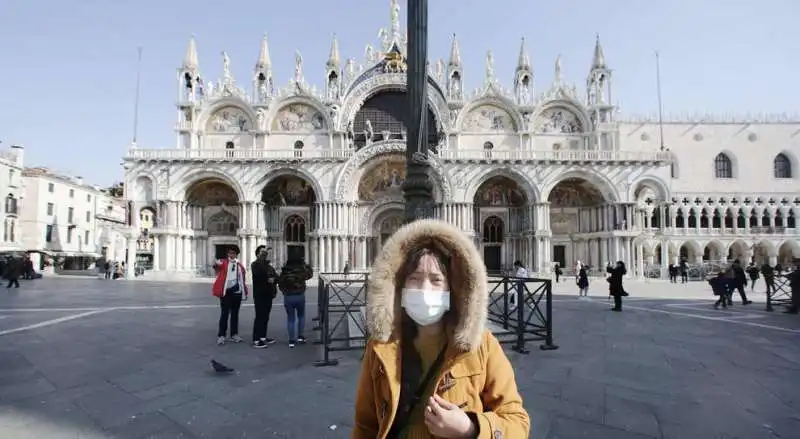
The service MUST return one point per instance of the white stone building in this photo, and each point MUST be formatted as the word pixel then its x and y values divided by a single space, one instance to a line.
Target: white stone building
pixel 543 176
pixel 11 165
pixel 69 222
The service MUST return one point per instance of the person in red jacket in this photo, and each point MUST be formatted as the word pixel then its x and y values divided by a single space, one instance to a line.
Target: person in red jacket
pixel 230 286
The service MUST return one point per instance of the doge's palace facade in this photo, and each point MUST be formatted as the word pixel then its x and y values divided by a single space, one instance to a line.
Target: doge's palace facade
pixel 550 176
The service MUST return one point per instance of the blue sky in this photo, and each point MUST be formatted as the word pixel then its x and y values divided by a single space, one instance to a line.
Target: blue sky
pixel 67 68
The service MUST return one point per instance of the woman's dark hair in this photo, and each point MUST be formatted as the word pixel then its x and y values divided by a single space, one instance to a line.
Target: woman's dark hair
pixel 259 248
pixel 411 363
pixel 518 263
pixel 622 268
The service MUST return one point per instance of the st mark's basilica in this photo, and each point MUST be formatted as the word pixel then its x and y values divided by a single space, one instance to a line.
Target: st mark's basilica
pixel 546 176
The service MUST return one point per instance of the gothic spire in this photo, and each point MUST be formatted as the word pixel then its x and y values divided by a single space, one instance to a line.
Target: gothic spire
pixel 455 54
pixel 190 60
pixel 599 60
pixel 264 62
pixel 524 61
pixel 334 60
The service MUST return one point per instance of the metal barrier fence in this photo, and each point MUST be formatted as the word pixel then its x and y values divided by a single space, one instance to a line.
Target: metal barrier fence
pixel 515 309
pixel 780 294
pixel 341 313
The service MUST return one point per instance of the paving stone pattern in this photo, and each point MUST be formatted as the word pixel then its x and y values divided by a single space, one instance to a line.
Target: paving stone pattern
pixel 660 369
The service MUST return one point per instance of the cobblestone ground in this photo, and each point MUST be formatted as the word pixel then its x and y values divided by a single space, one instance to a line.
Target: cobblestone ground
pixel 91 358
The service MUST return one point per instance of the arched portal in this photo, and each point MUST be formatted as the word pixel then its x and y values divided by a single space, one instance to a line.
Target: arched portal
pixel 290 214
pixel 501 217
pixel 384 116
pixel 213 206
pixel 385 225
pixel 714 251
pixel 578 208
pixel 788 252
pixel 690 252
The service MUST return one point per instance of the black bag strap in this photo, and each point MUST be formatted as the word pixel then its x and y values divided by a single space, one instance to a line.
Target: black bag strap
pixel 420 393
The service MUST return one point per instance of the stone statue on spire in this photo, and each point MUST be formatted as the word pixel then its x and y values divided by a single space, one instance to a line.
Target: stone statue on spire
pixel 489 65
pixel 559 77
pixel 298 67
pixel 226 65
pixel 395 19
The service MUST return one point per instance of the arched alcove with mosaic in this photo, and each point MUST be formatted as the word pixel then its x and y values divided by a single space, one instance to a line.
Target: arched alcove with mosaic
pixel 229 119
pixel 383 179
pixel 299 117
pixel 500 191
pixel 488 118
pixel 290 215
pixel 558 120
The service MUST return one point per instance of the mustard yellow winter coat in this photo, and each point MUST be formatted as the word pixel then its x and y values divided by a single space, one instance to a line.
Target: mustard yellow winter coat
pixel 476 374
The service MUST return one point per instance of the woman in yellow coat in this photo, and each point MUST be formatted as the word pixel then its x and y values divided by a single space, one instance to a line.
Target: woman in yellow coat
pixel 431 369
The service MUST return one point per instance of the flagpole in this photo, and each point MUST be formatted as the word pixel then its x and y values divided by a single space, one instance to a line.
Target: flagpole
pixel 136 98
pixel 660 105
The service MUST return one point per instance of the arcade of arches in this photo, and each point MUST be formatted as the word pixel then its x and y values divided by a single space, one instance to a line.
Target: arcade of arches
pixel 583 225
pixel 576 223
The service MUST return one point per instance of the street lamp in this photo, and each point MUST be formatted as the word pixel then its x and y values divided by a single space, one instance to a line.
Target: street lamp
pixel 417 188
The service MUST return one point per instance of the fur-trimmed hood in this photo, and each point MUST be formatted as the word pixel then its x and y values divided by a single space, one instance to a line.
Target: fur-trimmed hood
pixel 468 282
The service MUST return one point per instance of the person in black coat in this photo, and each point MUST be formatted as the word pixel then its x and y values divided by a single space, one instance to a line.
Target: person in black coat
pixel 739 281
pixel 683 267
pixel 754 273
pixel 794 284
pixel 265 288
pixel 721 288
pixel 615 287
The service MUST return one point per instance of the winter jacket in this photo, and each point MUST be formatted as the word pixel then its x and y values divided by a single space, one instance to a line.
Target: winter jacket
pixel 262 272
pixel 292 280
pixel 476 375
pixel 218 289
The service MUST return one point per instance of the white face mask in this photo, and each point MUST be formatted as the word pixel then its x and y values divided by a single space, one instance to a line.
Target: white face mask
pixel 425 307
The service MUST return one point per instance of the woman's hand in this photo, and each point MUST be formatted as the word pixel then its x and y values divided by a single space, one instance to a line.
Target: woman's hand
pixel 445 419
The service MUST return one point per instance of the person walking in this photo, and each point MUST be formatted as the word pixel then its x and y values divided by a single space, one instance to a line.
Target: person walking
pixel 740 281
pixel 683 267
pixel 769 278
pixel 13 271
pixel 754 273
pixel 615 288
pixel 720 285
pixel 794 284
pixel 230 287
pixel 431 368
pixel 558 272
pixel 583 282
pixel 292 283
pixel 265 288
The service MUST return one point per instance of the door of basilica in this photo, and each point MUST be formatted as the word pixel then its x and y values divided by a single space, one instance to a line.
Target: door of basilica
pixel 492 258
pixel 560 255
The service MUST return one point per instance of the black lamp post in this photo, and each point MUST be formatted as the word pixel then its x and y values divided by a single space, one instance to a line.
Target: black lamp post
pixel 417 189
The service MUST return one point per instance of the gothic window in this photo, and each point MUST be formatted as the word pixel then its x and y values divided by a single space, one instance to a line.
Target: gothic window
pixel 723 167
pixel 295 229
pixel 782 166
pixel 493 230
pixel 229 146
pixel 387 113
pixel 488 146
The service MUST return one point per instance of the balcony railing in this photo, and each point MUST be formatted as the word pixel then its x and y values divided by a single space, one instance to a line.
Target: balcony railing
pixel 551 155
pixel 238 154
pixel 451 154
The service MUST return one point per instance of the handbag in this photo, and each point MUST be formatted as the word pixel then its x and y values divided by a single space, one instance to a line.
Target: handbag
pixel 421 392
pixel 234 288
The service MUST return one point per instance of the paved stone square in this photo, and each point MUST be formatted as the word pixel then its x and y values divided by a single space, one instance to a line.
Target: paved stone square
pixel 90 358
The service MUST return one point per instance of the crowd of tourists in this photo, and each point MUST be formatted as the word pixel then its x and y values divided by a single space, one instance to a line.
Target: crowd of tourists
pixel 735 279
pixel 231 288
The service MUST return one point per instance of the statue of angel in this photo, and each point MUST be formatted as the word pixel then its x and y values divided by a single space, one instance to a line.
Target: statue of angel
pixel 298 66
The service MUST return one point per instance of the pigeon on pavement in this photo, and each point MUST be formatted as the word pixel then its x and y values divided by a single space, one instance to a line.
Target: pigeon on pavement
pixel 220 368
